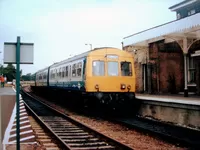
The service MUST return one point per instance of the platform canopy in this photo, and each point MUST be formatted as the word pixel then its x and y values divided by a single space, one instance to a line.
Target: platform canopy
pixel 188 27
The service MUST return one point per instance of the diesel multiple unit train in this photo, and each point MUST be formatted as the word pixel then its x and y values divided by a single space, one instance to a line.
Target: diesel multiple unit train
pixel 106 75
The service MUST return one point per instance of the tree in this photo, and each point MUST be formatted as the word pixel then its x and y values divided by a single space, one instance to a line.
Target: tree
pixel 27 77
pixel 9 72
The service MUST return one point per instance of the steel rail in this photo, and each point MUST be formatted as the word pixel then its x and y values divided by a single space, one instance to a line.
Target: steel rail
pixel 100 136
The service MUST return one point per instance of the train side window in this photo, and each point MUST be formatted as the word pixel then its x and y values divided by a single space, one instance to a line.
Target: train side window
pixel 126 68
pixel 57 72
pixel 98 68
pixel 79 67
pixel 66 71
pixel 73 70
pixel 60 71
pixel 70 71
pixel 63 72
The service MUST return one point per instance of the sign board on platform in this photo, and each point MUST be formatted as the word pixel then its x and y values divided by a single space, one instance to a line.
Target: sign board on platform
pixel 26 53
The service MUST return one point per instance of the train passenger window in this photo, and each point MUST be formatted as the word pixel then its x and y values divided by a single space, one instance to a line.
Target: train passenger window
pixel 60 71
pixel 63 72
pixel 126 68
pixel 66 71
pixel 98 68
pixel 70 71
pixel 113 68
pixel 57 72
pixel 79 69
pixel 73 70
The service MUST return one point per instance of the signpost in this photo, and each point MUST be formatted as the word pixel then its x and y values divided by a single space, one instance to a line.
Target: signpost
pixel 18 53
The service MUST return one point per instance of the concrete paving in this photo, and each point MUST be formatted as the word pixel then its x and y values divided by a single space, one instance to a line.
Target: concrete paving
pixel 7 102
pixel 191 100
pixel 8 120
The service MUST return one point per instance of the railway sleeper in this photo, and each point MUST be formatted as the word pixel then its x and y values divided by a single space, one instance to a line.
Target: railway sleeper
pixel 76 137
pixel 73 131
pixel 81 140
pixel 87 144
pixel 93 148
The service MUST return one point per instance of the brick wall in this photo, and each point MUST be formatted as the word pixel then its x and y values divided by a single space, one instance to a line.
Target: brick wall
pixel 166 61
pixel 167 67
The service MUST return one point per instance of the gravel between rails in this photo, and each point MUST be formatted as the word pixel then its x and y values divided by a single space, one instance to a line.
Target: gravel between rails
pixel 131 137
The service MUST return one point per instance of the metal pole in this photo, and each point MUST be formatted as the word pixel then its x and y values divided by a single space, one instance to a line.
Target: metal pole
pixel 91 46
pixel 18 90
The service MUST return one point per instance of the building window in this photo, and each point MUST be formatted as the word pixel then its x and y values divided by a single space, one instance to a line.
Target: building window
pixel 178 16
pixel 192 71
pixel 98 68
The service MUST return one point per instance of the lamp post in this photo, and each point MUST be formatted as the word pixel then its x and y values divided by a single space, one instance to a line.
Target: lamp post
pixel 90 46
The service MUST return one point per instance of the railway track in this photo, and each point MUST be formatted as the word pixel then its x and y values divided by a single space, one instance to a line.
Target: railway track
pixel 72 134
pixel 174 134
pixel 44 137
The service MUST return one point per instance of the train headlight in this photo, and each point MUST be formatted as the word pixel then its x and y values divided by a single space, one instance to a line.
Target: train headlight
pixel 97 86
pixel 128 87
pixel 123 86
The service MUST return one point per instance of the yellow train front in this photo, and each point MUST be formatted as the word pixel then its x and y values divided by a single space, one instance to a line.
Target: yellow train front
pixel 100 76
pixel 110 76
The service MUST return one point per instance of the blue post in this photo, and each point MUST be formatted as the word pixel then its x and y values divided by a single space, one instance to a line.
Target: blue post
pixel 18 91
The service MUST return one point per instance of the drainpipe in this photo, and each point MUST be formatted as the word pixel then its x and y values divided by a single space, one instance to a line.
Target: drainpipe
pixel 144 66
pixel 185 49
pixel 185 75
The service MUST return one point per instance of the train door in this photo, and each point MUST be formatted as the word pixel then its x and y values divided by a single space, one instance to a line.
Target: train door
pixel 84 67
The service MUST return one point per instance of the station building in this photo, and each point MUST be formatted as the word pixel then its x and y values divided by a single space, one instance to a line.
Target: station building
pixel 167 57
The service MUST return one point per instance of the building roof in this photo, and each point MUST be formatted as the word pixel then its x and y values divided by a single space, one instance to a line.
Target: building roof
pixel 182 26
pixel 182 4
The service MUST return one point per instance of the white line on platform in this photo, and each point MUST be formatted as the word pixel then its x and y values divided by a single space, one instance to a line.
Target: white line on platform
pixel 22 133
pixel 22 118
pixel 21 122
pixel 21 104
pixel 9 127
pixel 21 107
pixel 21 127
pixel 22 110
pixel 23 139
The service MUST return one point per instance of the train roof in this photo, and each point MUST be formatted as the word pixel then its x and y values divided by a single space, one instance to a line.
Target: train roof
pixel 79 56
pixel 76 57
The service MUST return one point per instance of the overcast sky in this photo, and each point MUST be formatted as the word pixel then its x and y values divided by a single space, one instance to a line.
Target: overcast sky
pixel 60 28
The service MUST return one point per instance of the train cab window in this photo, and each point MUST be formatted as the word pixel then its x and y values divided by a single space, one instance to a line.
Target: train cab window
pixel 66 74
pixel 73 70
pixel 126 68
pixel 98 68
pixel 113 68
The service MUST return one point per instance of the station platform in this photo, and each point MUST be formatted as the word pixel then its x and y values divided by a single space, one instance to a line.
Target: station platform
pixel 8 120
pixel 180 99
pixel 175 109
